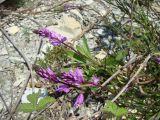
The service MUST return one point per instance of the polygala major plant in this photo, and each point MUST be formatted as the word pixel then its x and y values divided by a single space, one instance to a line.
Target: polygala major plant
pixel 127 74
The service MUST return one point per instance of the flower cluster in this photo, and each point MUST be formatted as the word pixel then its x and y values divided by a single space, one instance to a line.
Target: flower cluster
pixel 47 74
pixel 55 38
pixel 67 80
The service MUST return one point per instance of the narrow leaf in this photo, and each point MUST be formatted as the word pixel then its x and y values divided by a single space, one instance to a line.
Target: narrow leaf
pixel 76 57
pixel 85 45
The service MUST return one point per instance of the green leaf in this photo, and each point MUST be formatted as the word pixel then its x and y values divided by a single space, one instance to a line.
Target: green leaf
pixel 110 107
pixel 34 105
pixel 121 54
pixel 94 88
pixel 110 61
pixel 114 109
pixel 76 57
pixel 81 50
pixel 66 69
pixel 26 107
pixel 44 102
pixel 120 112
pixel 85 43
pixel 155 117
pixel 33 98
pixel 84 48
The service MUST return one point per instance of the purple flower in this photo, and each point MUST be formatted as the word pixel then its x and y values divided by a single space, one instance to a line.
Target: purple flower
pixel 47 74
pixel 43 32
pixel 55 38
pixel 63 88
pixel 73 77
pixel 158 60
pixel 95 80
pixel 69 7
pixel 79 100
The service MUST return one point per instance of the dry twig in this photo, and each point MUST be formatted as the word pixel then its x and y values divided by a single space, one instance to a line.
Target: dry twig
pixel 7 108
pixel 133 78
pixel 132 60
pixel 28 66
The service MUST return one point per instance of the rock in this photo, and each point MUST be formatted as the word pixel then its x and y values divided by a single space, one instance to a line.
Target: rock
pixel 21 74
pixel 133 111
pixel 18 82
pixel 157 9
pixel 1 106
pixel 16 59
pixel 67 26
pixel 46 46
pixel 3 51
pixel 76 12
pixel 101 55
pixel 13 30
pixel 1 1
pixel 103 12
pixel 88 2
pixel 90 36
pixel 51 22
pixel 101 32
pixel 43 8
pixel 4 60
pixel 0 33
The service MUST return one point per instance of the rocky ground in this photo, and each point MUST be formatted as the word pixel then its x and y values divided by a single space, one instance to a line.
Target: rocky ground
pixel 72 22
pixel 70 18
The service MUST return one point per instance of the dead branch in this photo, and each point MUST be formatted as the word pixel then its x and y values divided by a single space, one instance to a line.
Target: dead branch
pixel 132 60
pixel 133 78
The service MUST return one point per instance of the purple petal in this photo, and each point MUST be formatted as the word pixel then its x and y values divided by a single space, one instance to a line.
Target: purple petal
pixel 73 77
pixel 79 100
pixel 47 74
pixel 95 80
pixel 63 88
pixel 44 32
pixel 50 72
pixel 54 38
pixel 78 73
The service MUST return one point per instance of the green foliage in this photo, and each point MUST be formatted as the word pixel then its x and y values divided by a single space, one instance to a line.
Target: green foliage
pixel 121 54
pixel 139 35
pixel 53 57
pixel 84 49
pixel 114 109
pixel 110 61
pixel 83 53
pixel 155 117
pixel 35 104
pixel 75 56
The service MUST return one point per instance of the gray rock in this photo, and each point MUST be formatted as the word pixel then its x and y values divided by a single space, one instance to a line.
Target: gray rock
pixel 1 1
pixel 1 106
pixel 88 2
